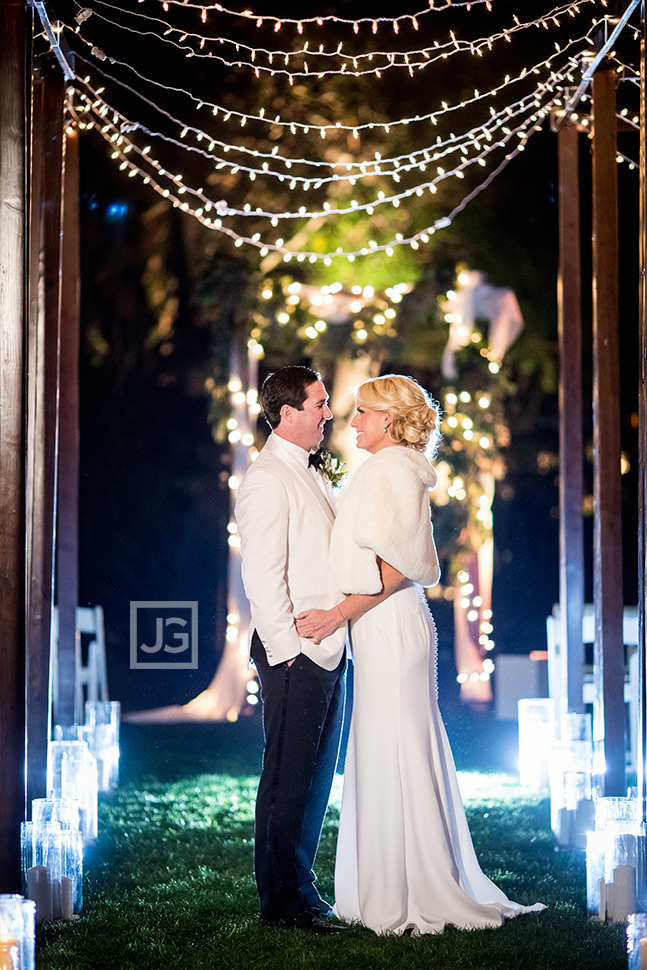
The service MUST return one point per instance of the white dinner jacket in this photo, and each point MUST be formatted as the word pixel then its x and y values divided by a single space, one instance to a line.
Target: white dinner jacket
pixel 285 522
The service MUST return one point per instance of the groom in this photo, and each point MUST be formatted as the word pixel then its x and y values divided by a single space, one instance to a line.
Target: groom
pixel 285 519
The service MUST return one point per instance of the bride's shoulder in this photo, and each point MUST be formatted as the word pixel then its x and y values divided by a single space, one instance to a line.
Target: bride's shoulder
pixel 400 462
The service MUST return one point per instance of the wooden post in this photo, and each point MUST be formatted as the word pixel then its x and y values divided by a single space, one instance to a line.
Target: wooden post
pixel 44 289
pixel 67 544
pixel 609 664
pixel 15 32
pixel 569 308
pixel 642 435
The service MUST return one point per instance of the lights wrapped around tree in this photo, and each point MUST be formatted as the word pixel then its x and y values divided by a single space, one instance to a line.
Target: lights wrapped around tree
pixel 474 429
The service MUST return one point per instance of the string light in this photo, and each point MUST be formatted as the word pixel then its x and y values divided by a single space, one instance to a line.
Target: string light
pixel 492 144
pixel 430 154
pixel 226 114
pixel 288 254
pixel 435 6
pixel 409 60
pixel 351 170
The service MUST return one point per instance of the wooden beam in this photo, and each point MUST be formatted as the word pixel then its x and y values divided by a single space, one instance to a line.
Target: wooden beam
pixel 67 545
pixel 642 434
pixel 15 30
pixel 571 531
pixel 42 408
pixel 609 664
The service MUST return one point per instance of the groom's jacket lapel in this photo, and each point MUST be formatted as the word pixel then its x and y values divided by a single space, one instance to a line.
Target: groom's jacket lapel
pixel 305 476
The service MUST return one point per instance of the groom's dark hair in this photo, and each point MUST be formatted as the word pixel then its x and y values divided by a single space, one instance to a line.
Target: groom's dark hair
pixel 288 385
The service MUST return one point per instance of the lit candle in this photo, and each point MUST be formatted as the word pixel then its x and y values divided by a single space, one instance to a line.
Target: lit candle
pixel 9 954
pixel 39 888
pixel 643 955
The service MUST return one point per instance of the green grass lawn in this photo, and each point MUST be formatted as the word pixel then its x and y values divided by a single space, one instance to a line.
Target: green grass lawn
pixel 170 885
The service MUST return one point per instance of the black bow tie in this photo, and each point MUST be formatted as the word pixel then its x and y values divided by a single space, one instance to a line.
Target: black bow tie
pixel 315 460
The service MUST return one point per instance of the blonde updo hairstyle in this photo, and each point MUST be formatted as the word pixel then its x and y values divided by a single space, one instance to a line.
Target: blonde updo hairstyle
pixel 414 415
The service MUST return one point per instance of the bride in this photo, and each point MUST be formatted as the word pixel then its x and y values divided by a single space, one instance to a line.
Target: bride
pixel 405 859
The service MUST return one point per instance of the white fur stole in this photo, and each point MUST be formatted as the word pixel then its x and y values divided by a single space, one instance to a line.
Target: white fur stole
pixel 383 511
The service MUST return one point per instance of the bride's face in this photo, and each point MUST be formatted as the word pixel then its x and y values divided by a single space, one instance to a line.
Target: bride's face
pixel 371 428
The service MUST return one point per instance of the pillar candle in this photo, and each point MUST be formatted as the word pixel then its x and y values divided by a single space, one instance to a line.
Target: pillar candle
pixel 603 901
pixel 564 831
pixel 643 955
pixel 39 888
pixel 67 898
pixel 624 893
pixel 9 954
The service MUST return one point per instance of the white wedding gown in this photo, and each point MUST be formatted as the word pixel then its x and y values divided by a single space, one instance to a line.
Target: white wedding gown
pixel 405 858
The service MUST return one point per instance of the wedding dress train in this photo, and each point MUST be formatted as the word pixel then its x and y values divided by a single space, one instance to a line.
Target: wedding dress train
pixel 405 859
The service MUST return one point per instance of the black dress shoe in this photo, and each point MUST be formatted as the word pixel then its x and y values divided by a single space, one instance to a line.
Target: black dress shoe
pixel 312 923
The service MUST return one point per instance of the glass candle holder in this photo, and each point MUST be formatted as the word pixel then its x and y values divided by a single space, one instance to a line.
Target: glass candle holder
pixel 537 733
pixel 596 904
pixel 618 814
pixel 637 941
pixel 72 773
pixel 63 858
pixel 101 731
pixel 575 727
pixel 17 926
pixel 65 813
pixel 571 797
pixel 616 861
pixel 26 852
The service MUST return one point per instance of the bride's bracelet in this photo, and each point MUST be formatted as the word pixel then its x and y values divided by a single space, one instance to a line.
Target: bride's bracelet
pixel 341 614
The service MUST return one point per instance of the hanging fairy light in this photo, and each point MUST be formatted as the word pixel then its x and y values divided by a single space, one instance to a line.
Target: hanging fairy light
pixel 417 160
pixel 111 134
pixel 492 144
pixel 225 115
pixel 194 43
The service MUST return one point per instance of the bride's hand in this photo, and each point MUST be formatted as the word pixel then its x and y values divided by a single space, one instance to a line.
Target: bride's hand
pixel 316 625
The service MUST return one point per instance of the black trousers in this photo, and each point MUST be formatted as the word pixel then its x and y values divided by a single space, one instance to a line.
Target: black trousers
pixel 303 708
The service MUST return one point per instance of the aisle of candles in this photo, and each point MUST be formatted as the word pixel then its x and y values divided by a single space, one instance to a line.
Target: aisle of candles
pixel 81 761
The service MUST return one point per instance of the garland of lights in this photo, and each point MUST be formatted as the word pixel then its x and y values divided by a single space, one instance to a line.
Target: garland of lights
pixel 259 19
pixel 394 59
pixel 265 247
pixel 225 114
pixel 121 126
pixel 516 121
pixel 366 167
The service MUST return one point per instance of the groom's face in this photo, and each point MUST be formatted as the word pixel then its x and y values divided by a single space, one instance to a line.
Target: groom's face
pixel 307 425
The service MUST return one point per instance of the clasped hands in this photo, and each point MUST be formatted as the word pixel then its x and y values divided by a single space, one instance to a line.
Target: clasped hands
pixel 316 625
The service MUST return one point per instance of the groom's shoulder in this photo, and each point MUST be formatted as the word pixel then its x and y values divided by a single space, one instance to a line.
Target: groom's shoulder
pixel 267 465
